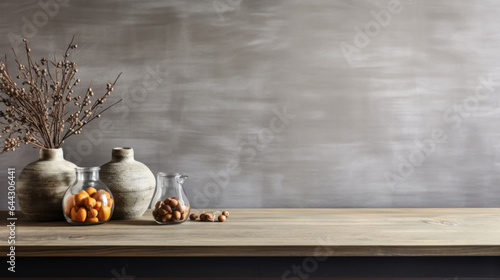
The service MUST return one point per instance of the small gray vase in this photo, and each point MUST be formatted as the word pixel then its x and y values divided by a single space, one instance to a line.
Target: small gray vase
pixel 41 186
pixel 130 181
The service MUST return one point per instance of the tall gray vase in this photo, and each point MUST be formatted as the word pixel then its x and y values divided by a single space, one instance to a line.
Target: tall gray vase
pixel 41 186
pixel 130 181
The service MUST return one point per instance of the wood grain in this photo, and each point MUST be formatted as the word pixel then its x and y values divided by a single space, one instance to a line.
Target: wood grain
pixel 276 232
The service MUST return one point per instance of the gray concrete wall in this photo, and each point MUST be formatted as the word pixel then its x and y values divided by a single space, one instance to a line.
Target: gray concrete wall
pixel 203 81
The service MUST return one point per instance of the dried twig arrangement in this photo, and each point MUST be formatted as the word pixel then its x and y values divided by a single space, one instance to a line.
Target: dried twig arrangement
pixel 43 110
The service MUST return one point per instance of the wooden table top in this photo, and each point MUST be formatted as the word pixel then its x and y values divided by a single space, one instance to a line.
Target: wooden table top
pixel 274 232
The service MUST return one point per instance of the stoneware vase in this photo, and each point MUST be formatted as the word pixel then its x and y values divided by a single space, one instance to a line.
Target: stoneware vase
pixel 130 181
pixel 41 186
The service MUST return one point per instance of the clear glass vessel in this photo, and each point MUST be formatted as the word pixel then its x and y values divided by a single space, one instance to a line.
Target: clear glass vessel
pixel 88 201
pixel 170 204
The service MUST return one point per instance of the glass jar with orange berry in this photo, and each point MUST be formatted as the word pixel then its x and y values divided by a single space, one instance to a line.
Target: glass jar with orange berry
pixel 88 201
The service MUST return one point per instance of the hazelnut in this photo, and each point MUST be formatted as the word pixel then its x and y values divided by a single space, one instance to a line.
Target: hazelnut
pixel 225 213
pixel 162 212
pixel 164 218
pixel 174 202
pixel 209 217
pixel 221 218
pixel 181 208
pixel 184 216
pixel 168 217
pixel 176 215
pixel 193 216
pixel 158 204
pixel 168 208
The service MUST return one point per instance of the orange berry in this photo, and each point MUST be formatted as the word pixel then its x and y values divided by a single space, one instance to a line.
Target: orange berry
pixel 89 202
pixel 98 205
pixel 80 215
pixel 70 203
pixel 91 191
pixel 92 220
pixel 92 213
pixel 80 198
pixel 104 213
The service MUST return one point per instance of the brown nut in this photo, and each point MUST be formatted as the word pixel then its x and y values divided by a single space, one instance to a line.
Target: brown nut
pixel 184 216
pixel 162 212
pixel 155 212
pixel 168 217
pixel 221 218
pixel 209 217
pixel 173 202
pixel 164 218
pixel 167 200
pixel 158 204
pixel 225 213
pixel 176 215
pixel 193 216
pixel 181 208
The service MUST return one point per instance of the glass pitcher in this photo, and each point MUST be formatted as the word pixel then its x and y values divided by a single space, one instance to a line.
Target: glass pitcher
pixel 170 204
pixel 88 201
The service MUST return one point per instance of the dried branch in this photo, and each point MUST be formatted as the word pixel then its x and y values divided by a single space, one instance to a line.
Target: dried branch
pixel 38 111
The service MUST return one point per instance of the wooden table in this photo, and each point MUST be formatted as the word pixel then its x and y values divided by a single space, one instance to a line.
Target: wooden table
pixel 274 233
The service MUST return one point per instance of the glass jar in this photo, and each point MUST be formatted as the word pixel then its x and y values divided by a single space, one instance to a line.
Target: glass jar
pixel 170 204
pixel 88 201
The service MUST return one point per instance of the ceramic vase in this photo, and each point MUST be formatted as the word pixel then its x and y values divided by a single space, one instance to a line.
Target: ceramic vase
pixel 130 181
pixel 41 186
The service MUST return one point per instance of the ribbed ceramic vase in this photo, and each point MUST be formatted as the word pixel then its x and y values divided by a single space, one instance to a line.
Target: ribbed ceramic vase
pixel 41 186
pixel 130 181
